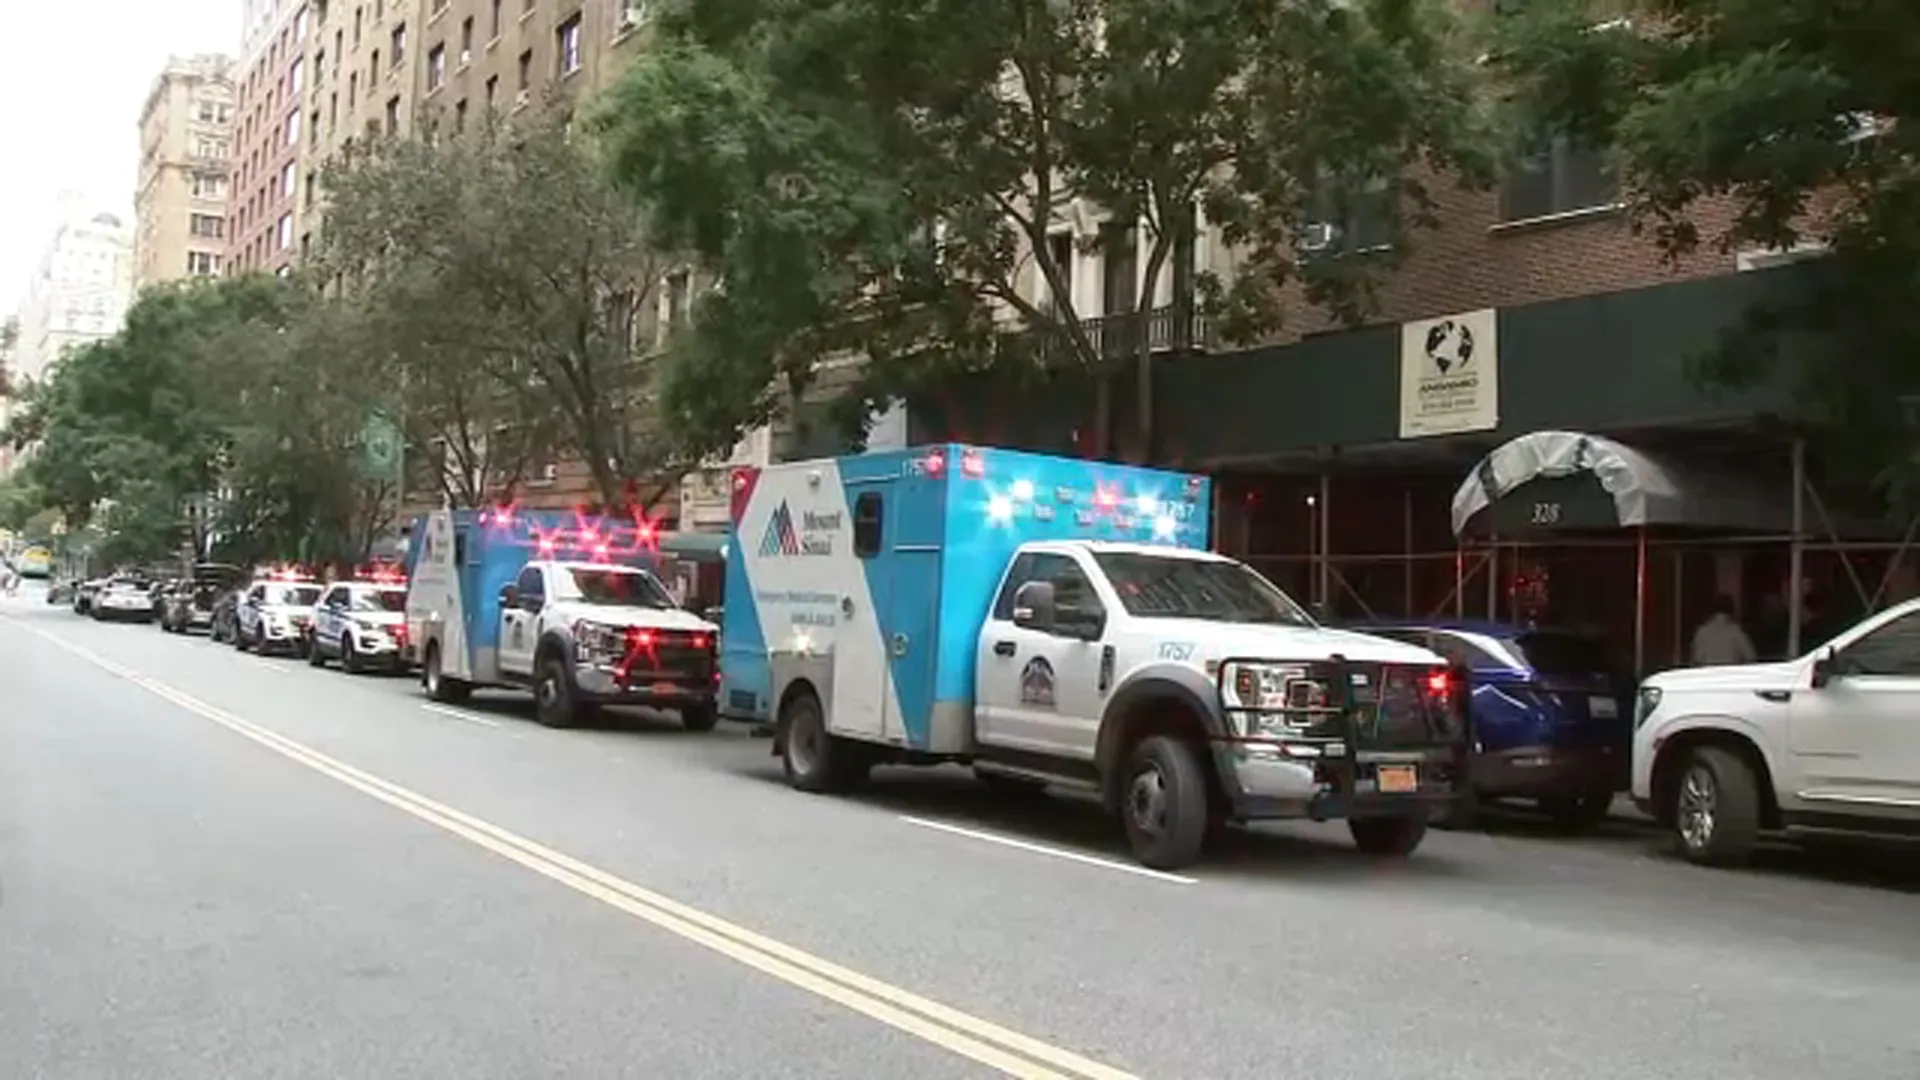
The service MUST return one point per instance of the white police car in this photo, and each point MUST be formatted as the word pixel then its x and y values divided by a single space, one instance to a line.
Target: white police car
pixel 362 624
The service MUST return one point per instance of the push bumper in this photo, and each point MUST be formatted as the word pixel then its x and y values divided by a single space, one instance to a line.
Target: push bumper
pixel 608 685
pixel 1319 782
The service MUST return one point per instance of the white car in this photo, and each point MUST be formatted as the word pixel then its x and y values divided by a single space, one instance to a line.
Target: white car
pixel 362 624
pixel 275 616
pixel 124 598
pixel 1828 742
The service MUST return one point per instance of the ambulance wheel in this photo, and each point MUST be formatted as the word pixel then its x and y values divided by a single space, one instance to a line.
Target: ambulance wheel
pixel 1164 803
pixel 440 686
pixel 813 759
pixel 699 717
pixel 554 701
pixel 1393 836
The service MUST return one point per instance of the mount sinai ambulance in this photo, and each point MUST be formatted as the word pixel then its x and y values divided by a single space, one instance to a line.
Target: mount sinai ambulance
pixel 1058 622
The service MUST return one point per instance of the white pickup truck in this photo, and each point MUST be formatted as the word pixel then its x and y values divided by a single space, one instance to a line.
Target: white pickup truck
pixel 1826 743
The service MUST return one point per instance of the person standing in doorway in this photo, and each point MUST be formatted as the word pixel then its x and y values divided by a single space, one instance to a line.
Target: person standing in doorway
pixel 1721 639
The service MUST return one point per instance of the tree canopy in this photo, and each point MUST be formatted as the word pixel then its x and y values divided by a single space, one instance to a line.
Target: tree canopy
pixel 517 295
pixel 1794 122
pixel 887 180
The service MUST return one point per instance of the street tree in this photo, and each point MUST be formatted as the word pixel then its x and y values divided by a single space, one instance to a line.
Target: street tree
pixel 512 288
pixel 1796 124
pixel 888 179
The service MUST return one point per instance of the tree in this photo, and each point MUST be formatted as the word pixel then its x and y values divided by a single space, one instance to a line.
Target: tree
pixel 510 283
pixel 885 179
pixel 1801 118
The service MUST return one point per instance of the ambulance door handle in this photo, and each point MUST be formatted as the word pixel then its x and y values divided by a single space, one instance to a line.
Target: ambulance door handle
pixel 1003 648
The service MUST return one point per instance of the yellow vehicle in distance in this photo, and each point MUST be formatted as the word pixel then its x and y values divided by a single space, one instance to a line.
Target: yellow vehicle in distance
pixel 35 562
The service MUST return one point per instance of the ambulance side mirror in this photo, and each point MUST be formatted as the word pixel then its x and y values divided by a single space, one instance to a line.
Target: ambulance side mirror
pixel 509 596
pixel 1033 606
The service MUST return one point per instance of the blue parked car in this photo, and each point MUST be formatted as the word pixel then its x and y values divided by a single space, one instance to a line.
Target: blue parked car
pixel 1553 717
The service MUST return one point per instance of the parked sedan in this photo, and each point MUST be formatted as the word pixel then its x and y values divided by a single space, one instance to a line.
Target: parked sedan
pixel 129 599
pixel 1552 717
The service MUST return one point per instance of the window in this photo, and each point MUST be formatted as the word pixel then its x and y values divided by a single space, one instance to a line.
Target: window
pixel 616 586
pixel 210 149
pixel 1060 252
pixel 493 91
pixel 1176 587
pixel 868 512
pixel 466 40
pixel 393 115
pixel 289 180
pixel 399 46
pixel 319 65
pixel 380 599
pixel 493 31
pixel 283 233
pixel 531 586
pixel 1893 648
pixel 202 263
pixel 1072 592
pixel 566 41
pixel 333 110
pixel 1561 178
pixel 204 186
pixel 300 25
pixel 676 299
pixel 296 77
pixel 311 189
pixel 1120 251
pixel 353 88
pixel 632 14
pixel 525 69
pixel 373 67
pixel 293 129
pixel 336 597
pixel 208 225
pixel 460 115
pixel 1350 217
pixel 313 128
pixel 436 67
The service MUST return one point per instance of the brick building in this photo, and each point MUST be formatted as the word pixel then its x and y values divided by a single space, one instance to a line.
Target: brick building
pixel 268 155
pixel 180 200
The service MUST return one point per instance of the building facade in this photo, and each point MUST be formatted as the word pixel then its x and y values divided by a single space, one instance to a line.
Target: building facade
pixel 180 202
pixel 79 291
pixel 268 156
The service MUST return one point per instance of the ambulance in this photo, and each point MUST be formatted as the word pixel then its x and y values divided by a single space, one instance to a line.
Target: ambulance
pixel 1052 622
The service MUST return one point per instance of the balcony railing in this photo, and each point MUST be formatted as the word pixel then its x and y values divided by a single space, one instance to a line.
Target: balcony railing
pixel 1168 329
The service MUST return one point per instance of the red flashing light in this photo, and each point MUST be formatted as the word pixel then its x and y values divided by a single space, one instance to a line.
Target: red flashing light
pixel 547 545
pixel 1439 683
pixel 1105 498
pixel 600 551
pixel 699 641
pixel 640 639
pixel 973 464
pixel 936 463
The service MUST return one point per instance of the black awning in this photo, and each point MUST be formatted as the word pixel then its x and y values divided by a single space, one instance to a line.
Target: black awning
pixel 1565 480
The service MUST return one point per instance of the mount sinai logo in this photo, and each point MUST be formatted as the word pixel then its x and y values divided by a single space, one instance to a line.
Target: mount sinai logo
pixel 812 535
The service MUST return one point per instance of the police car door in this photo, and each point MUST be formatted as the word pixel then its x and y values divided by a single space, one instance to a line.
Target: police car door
pixel 329 621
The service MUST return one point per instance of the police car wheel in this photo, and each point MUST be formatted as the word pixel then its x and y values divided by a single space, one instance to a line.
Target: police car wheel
pixel 1164 803
pixel 316 658
pixel 349 659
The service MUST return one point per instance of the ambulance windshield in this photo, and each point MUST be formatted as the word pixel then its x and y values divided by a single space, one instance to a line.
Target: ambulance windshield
pixel 614 586
pixel 1170 587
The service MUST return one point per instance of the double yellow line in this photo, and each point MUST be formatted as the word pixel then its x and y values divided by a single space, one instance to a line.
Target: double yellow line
pixel 988 1043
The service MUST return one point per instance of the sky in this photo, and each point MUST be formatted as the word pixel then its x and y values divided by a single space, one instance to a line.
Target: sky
pixel 72 79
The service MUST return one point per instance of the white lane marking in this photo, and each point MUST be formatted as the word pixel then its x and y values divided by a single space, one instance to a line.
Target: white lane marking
pixel 1002 1049
pixel 458 714
pixel 1058 853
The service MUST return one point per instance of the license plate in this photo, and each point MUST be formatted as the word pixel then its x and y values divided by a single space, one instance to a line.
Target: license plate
pixel 664 687
pixel 1603 708
pixel 1398 779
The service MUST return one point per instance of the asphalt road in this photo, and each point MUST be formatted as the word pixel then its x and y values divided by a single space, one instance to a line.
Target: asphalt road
pixel 213 865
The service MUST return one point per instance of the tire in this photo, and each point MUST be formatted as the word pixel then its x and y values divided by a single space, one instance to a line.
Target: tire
pixel 1721 783
pixel 316 658
pixel 813 759
pixel 440 686
pixel 349 659
pixel 1164 803
pixel 1579 814
pixel 553 695
pixel 239 638
pixel 1396 837
pixel 699 717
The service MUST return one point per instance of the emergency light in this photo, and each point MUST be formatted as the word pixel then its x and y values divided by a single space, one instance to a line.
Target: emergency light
pixel 592 537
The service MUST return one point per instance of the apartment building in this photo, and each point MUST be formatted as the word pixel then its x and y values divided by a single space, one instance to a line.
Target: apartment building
pixel 80 288
pixel 268 152
pixel 180 201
